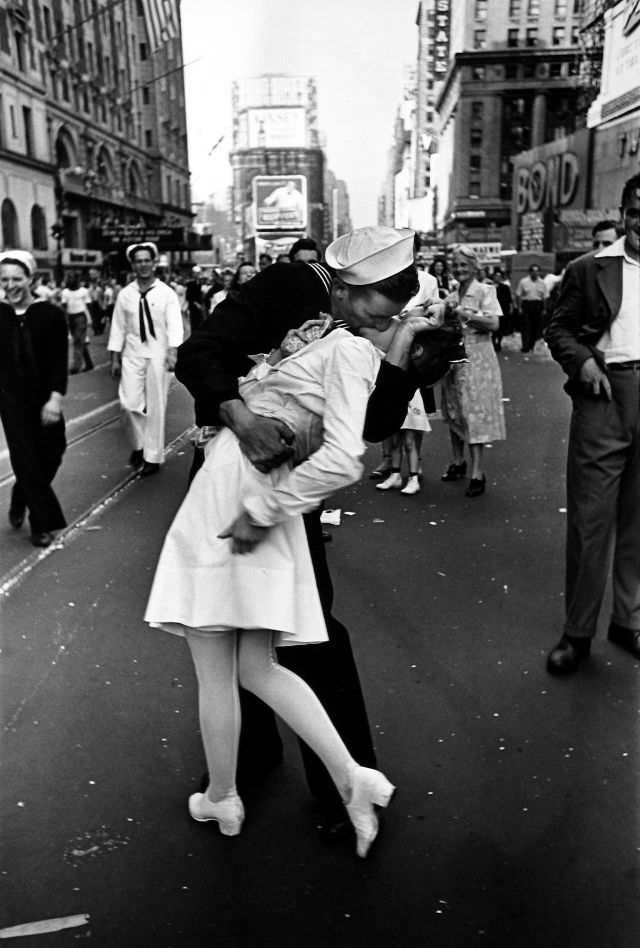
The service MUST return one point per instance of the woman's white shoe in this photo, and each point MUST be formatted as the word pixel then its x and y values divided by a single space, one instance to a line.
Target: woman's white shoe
pixel 412 486
pixel 393 480
pixel 228 813
pixel 369 789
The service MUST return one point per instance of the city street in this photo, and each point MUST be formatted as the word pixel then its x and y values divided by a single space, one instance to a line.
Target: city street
pixel 516 817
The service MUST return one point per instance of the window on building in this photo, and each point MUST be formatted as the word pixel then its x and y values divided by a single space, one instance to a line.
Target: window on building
pixel 46 13
pixel 511 71
pixel 481 9
pixel 555 71
pixel 515 8
pixel 90 57
pixel 575 35
pixel 9 218
pixel 19 42
pixel 38 228
pixel 477 111
pixel 528 70
pixel 143 52
pixel 578 6
pixel 146 95
pixel 532 36
pixel 512 38
pixel 37 15
pixel 12 122
pixel 533 7
pixel 479 39
pixel 478 73
pixel 560 8
pixel 474 186
pixel 5 45
pixel 557 36
pixel 148 138
pixel 475 163
pixel 475 138
pixel 139 8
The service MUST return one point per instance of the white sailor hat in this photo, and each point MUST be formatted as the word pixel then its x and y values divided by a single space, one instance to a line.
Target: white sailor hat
pixel 21 257
pixel 370 254
pixel 143 245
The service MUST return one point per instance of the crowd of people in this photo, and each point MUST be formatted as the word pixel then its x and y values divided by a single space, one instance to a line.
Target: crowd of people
pixel 293 365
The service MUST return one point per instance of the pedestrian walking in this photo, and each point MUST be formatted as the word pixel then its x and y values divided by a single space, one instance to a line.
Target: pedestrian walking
pixel 472 390
pixel 146 330
pixel 75 300
pixel 594 333
pixel 255 320
pixel 33 382
pixel 531 294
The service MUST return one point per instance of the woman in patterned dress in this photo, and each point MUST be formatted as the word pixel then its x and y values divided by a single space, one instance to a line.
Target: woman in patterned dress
pixel 472 391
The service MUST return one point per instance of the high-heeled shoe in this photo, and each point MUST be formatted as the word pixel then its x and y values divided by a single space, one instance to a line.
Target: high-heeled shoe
pixel 476 486
pixel 454 471
pixel 369 789
pixel 228 813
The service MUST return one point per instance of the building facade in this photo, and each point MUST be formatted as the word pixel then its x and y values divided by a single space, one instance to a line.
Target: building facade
pixel 282 188
pixel 513 84
pixel 93 141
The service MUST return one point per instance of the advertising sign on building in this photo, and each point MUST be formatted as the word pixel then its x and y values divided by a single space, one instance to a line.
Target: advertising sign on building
pixel 276 128
pixel 280 202
pixel 78 257
pixel 546 180
pixel 441 38
pixel 620 84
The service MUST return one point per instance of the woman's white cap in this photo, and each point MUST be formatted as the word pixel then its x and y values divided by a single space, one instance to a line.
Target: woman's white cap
pixel 370 254
pixel 143 245
pixel 20 256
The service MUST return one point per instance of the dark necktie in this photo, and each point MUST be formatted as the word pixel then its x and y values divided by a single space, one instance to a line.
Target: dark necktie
pixel 145 313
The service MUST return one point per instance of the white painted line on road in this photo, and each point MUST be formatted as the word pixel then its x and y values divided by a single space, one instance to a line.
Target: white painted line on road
pixel 14 577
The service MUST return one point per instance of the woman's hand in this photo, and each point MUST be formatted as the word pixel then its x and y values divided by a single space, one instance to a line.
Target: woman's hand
pixel 51 411
pixel 245 536
pixel 400 346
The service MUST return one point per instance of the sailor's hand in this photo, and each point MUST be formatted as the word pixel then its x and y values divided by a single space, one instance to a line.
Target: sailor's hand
pixel 244 535
pixel 266 442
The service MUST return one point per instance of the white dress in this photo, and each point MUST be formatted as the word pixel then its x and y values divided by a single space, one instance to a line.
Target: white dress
pixel 321 392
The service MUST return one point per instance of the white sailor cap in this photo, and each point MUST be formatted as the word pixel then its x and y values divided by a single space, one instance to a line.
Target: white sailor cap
pixel 370 254
pixel 21 257
pixel 143 245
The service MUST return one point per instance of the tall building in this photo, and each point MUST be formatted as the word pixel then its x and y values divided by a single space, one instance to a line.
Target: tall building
pixel 93 141
pixel 281 186
pixel 513 83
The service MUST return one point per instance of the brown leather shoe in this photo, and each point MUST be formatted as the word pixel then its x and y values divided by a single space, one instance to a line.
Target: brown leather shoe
pixel 565 658
pixel 628 639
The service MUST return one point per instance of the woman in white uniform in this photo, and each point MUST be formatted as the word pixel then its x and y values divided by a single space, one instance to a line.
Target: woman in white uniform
pixel 235 576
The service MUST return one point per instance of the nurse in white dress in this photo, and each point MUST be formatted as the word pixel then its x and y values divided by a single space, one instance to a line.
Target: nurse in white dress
pixel 235 576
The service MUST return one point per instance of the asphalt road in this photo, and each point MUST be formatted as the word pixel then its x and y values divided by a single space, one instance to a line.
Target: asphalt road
pixel 516 819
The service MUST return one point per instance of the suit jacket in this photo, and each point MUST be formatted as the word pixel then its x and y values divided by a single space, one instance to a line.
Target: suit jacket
pixel 588 302
pixel 255 319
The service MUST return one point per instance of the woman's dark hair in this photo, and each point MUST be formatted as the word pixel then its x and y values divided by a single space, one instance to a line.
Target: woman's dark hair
pixel 72 281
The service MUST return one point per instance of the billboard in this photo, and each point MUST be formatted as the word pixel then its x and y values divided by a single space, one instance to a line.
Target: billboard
pixel 276 128
pixel 280 202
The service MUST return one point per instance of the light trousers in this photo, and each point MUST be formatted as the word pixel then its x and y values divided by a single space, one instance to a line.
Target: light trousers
pixel 144 387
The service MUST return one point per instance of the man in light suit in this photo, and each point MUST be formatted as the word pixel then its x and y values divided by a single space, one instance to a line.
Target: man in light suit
pixel 594 333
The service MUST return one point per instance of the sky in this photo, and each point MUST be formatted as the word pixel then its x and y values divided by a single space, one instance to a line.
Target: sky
pixel 356 50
